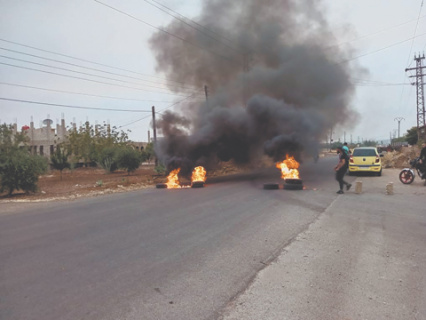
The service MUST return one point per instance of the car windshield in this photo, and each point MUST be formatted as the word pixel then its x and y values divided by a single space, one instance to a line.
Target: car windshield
pixel 364 153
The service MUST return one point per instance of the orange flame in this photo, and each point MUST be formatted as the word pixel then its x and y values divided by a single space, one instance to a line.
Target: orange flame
pixel 199 174
pixel 289 168
pixel 173 180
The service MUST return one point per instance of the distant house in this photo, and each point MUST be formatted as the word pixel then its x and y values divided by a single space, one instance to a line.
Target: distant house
pixel 43 141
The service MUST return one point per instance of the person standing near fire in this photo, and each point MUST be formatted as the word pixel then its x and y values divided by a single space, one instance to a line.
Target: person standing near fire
pixel 423 159
pixel 341 168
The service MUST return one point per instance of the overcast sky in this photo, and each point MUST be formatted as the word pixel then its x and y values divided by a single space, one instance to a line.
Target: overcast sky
pixel 59 57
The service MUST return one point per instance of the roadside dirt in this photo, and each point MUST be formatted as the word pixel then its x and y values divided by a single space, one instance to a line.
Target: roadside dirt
pixel 90 182
pixel 400 158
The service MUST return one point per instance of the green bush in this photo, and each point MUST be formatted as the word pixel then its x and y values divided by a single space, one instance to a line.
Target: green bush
pixel 108 159
pixel 20 170
pixel 129 159
pixel 59 159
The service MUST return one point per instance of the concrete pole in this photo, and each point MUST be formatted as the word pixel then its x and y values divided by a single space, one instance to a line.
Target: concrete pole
pixel 154 128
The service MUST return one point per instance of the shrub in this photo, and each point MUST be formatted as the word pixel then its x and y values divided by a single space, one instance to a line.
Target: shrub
pixel 59 160
pixel 20 170
pixel 108 159
pixel 129 159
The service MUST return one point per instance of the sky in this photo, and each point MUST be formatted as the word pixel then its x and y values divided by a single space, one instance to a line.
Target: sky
pixel 65 59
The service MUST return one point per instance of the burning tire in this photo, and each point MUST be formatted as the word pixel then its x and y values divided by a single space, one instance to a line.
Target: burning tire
pixel 293 181
pixel 271 186
pixel 161 186
pixel 197 184
pixel 293 186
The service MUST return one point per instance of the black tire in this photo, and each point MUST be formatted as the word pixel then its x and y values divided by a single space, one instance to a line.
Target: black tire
pixel 197 184
pixel 406 177
pixel 379 174
pixel 271 186
pixel 293 181
pixel 161 186
pixel 293 186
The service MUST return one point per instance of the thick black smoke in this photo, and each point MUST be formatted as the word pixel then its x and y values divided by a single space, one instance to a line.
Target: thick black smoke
pixel 275 78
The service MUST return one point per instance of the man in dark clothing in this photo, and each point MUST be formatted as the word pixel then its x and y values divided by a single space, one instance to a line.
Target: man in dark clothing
pixel 423 159
pixel 341 168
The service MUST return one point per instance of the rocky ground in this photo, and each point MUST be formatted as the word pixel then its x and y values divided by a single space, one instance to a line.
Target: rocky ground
pixel 400 158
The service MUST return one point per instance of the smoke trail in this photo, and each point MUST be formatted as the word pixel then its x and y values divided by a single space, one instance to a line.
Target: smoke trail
pixel 274 79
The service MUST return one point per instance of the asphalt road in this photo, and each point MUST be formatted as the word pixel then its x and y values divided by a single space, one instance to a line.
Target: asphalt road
pixel 152 254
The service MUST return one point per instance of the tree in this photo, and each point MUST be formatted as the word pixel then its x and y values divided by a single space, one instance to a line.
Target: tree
pixel 107 159
pixel 87 143
pixel 59 159
pixel 411 136
pixel 129 159
pixel 369 143
pixel 19 170
pixel 148 152
pixel 10 140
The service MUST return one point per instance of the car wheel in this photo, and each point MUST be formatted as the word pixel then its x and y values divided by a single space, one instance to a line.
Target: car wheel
pixel 161 186
pixel 379 173
pixel 271 186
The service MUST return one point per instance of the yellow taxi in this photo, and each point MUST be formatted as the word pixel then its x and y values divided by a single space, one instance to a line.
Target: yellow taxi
pixel 365 159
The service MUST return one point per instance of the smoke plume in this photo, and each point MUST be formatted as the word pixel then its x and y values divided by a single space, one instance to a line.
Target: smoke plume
pixel 275 82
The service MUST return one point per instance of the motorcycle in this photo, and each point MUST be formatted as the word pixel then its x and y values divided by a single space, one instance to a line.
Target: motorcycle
pixel 407 175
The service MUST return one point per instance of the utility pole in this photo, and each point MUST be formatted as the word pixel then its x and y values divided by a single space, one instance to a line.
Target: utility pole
pixel 206 91
pixel 399 119
pixel 154 129
pixel 419 83
pixel 247 60
pixel 344 136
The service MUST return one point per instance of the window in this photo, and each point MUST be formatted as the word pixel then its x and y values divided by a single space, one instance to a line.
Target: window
pixel 364 153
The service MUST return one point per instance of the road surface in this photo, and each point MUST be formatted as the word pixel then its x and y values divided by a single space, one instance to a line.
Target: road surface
pixel 151 254
pixel 185 254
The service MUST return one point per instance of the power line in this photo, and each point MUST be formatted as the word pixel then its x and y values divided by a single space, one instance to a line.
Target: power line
pixel 409 54
pixel 189 25
pixel 374 33
pixel 83 67
pixel 84 60
pixel 85 79
pixel 70 106
pixel 166 32
pixel 78 93
pixel 415 31
pixel 381 49
pixel 172 105
pixel 78 72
